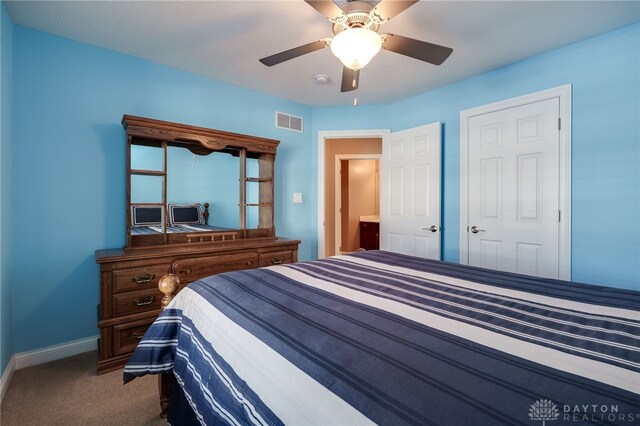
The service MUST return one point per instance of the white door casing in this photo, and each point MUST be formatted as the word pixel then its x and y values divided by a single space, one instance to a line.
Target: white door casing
pixel 515 210
pixel 410 191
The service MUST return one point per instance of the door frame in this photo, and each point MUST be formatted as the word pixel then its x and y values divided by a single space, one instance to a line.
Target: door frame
pixel 563 93
pixel 338 192
pixel 322 137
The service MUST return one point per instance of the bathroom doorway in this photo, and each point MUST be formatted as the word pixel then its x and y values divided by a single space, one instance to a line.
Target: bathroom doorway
pixel 357 203
pixel 336 150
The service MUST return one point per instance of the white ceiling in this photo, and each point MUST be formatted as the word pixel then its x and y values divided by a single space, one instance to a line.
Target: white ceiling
pixel 223 40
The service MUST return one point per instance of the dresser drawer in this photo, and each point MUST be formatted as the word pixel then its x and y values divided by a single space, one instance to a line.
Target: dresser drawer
pixel 275 258
pixel 127 336
pixel 134 302
pixel 192 269
pixel 138 278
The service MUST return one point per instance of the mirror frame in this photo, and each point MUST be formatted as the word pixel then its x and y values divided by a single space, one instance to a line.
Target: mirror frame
pixel 202 141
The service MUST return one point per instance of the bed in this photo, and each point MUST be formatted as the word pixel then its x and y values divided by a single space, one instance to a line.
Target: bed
pixel 384 338
pixel 152 230
pixel 189 221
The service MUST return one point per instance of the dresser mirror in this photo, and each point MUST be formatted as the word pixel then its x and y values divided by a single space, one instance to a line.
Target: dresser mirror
pixel 190 185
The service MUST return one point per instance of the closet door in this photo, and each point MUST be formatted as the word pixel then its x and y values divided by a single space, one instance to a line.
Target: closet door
pixel 410 192
pixel 513 186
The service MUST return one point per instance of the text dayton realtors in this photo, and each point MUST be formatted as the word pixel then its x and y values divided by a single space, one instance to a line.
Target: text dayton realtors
pixel 594 412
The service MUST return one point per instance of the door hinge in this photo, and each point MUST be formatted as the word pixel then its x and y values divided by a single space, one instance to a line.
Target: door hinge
pixel 559 215
pixel 559 124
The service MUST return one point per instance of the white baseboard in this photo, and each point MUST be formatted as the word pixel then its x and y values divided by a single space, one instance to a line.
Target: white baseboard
pixel 52 353
pixel 7 376
pixel 48 354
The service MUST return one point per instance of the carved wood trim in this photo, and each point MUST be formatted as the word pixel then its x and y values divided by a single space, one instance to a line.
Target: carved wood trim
pixel 186 135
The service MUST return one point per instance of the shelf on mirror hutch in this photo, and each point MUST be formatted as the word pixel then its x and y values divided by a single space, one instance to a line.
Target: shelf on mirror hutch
pixel 199 202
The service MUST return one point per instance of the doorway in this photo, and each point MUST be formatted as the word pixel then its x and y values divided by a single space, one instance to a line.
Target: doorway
pixel 357 199
pixel 359 147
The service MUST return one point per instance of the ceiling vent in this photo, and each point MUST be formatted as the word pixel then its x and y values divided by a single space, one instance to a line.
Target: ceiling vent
pixel 289 122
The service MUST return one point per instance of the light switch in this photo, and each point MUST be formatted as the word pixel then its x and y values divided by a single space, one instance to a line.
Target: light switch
pixel 297 197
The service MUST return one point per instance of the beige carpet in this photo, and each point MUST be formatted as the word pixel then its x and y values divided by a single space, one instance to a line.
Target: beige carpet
pixel 68 392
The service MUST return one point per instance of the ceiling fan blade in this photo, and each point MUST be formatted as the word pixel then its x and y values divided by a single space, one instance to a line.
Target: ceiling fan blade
pixel 293 53
pixel 428 52
pixel 350 79
pixel 387 9
pixel 326 8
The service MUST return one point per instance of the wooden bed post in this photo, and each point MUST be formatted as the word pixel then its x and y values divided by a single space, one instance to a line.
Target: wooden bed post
pixel 205 214
pixel 168 285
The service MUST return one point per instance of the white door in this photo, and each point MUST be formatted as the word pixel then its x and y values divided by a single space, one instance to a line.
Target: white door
pixel 513 182
pixel 410 192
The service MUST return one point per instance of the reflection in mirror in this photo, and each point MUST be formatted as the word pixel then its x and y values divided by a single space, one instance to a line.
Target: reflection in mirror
pixel 203 195
pixel 147 158
pixel 203 179
pixel 147 216
pixel 146 189
pixel 252 217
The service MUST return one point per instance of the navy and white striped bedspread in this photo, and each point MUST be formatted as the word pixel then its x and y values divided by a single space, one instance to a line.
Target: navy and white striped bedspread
pixel 383 338
pixel 176 229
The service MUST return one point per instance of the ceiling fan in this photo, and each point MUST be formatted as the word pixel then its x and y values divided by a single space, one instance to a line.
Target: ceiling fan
pixel 356 39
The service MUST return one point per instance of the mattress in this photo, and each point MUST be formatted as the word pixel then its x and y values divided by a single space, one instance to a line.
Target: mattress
pixel 389 339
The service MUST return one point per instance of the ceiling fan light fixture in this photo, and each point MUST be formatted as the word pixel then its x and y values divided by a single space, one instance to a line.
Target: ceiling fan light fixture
pixel 355 47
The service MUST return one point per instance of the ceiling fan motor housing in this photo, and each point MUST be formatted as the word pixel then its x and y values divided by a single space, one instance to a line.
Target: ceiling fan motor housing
pixel 356 15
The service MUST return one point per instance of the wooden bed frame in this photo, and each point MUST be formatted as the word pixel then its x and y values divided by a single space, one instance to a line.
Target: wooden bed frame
pixel 168 285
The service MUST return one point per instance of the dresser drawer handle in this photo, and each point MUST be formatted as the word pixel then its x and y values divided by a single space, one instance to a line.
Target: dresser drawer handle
pixel 276 260
pixel 138 334
pixel 249 263
pixel 187 271
pixel 144 301
pixel 143 278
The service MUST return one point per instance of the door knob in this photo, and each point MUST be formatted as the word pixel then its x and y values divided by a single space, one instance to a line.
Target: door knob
pixel 433 228
pixel 475 229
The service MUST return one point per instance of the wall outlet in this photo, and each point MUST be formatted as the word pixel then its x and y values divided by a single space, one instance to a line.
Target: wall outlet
pixel 297 197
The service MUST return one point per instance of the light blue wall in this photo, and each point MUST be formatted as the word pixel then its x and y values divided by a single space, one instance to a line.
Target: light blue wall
pixel 68 177
pixel 6 73
pixel 67 182
pixel 605 75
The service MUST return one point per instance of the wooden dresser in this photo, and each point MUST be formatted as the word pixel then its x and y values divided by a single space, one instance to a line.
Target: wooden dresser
pixel 159 241
pixel 129 295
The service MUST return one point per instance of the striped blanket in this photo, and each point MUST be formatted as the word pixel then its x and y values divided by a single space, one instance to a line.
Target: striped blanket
pixel 389 339
pixel 150 230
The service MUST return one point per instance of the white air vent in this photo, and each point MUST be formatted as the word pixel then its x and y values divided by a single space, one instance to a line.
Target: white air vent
pixel 289 122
